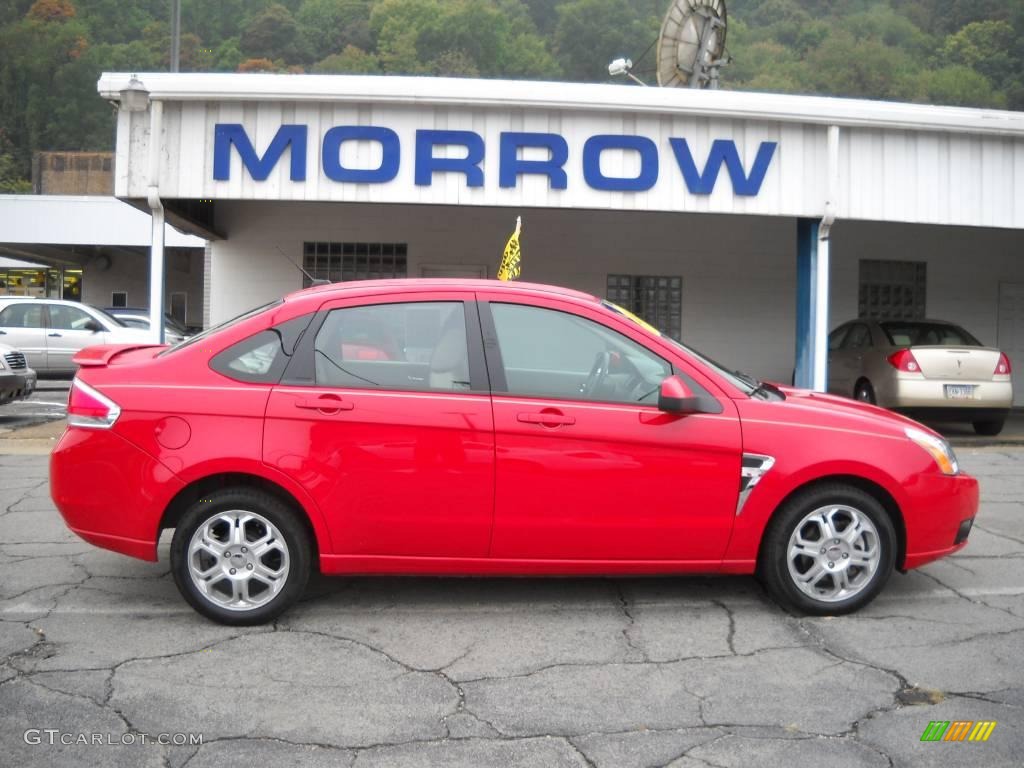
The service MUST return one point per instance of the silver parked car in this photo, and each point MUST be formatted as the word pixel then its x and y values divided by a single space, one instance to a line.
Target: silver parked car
pixel 17 380
pixel 51 331
pixel 929 369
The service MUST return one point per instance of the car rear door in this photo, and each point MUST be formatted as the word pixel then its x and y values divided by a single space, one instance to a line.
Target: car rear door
pixel 67 333
pixel 23 326
pixel 587 467
pixel 384 416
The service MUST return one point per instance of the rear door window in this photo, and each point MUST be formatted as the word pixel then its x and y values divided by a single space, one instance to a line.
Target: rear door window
pixel 419 346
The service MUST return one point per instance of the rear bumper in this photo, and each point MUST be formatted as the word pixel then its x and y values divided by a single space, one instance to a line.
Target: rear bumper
pixel 935 520
pixel 918 393
pixel 110 492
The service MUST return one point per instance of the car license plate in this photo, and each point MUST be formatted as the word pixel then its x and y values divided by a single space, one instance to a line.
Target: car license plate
pixel 959 391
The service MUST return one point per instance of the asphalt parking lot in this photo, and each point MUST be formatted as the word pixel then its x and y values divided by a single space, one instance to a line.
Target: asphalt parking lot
pixel 465 672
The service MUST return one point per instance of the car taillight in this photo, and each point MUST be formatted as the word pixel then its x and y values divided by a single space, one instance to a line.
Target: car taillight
pixel 903 360
pixel 1003 367
pixel 89 408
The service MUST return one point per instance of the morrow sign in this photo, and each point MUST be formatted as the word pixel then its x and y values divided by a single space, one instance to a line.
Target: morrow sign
pixel 512 165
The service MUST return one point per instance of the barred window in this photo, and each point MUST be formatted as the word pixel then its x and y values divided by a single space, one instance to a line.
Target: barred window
pixel 338 262
pixel 892 290
pixel 656 299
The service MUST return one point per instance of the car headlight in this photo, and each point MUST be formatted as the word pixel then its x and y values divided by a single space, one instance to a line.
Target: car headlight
pixel 3 366
pixel 937 448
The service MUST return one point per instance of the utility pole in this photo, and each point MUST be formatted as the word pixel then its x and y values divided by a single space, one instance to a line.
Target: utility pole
pixel 175 35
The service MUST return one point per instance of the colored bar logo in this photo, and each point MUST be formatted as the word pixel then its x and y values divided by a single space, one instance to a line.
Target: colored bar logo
pixel 958 730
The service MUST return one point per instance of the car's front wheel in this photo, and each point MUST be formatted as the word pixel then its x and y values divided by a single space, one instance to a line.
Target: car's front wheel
pixel 240 556
pixel 828 551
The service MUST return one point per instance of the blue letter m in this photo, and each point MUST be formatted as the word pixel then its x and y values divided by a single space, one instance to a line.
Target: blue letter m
pixel 228 134
pixel 723 151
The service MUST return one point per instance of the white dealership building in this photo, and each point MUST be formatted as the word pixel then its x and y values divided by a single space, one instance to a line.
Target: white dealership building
pixel 747 223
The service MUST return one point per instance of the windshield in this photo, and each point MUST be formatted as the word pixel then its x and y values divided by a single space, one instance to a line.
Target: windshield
pixel 742 382
pixel 116 322
pixel 226 324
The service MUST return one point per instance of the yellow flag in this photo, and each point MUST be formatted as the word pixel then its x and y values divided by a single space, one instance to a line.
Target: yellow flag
pixel 510 262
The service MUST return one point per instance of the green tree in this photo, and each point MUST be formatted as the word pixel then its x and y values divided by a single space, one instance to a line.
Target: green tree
pixel 328 26
pixel 985 46
pixel 351 61
pixel 11 180
pixel 591 33
pixel 273 34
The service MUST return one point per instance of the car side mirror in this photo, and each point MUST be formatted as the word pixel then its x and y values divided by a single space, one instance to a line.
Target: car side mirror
pixel 93 326
pixel 674 396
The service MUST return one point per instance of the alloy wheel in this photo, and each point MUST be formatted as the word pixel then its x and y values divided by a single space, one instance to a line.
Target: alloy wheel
pixel 238 560
pixel 833 553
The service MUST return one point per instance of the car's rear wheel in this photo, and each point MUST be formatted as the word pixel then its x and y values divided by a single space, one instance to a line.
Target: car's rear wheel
pixel 989 428
pixel 240 556
pixel 864 392
pixel 828 551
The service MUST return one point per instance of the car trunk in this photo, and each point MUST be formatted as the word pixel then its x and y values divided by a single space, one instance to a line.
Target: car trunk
pixel 967 363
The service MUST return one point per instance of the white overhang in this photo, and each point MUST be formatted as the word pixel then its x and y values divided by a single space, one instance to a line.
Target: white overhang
pixel 79 220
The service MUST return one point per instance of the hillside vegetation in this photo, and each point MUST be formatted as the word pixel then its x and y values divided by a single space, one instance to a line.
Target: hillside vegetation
pixel 963 52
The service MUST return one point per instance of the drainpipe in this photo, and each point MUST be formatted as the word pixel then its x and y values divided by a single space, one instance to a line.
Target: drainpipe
pixel 822 270
pixel 156 255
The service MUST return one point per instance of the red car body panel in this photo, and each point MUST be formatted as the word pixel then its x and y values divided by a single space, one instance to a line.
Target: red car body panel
pixel 475 482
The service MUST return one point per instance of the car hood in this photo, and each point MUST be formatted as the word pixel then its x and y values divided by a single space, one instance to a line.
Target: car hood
pixel 808 406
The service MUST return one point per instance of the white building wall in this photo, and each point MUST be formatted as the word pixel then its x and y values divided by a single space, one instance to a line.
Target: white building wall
pixel 739 273
pixel 130 272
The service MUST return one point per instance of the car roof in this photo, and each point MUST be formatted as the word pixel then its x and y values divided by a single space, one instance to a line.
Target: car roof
pixel 399 285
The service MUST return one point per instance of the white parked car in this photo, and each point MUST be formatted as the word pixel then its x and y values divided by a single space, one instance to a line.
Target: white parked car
pixel 51 331
pixel 17 380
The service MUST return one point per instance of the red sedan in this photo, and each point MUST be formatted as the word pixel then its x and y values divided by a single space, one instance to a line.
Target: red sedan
pixel 477 427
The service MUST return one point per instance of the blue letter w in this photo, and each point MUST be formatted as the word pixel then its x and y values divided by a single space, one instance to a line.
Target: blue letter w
pixel 723 151
pixel 228 134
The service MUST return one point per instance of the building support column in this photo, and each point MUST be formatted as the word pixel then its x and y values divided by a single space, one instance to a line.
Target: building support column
pixel 156 250
pixel 812 281
pixel 812 275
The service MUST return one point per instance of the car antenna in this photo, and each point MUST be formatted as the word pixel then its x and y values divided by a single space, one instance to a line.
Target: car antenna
pixel 313 281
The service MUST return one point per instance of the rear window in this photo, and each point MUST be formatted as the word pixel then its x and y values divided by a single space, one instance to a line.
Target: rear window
pixel 226 324
pixel 910 334
pixel 262 357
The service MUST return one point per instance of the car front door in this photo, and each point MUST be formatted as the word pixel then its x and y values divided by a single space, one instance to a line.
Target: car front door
pixel 23 326
pixel 587 467
pixel 70 329
pixel 385 417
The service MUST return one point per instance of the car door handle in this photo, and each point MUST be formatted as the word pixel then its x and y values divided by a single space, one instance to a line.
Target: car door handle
pixel 55 335
pixel 325 404
pixel 547 419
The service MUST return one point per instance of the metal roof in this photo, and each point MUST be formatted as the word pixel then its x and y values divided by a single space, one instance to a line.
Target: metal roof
pixel 221 87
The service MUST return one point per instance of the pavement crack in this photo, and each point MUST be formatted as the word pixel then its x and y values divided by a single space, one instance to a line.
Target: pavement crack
pixel 627 631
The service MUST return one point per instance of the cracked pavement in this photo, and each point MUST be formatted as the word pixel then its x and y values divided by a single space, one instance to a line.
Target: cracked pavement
pixel 607 673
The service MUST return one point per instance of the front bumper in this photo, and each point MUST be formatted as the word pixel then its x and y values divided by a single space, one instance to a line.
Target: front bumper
pixel 936 518
pixel 16 385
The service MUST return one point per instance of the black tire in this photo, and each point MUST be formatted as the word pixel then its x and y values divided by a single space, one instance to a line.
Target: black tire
pixel 774 567
pixel 292 557
pixel 864 392
pixel 989 428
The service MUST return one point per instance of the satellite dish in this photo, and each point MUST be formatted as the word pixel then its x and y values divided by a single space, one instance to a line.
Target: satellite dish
pixel 691 46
